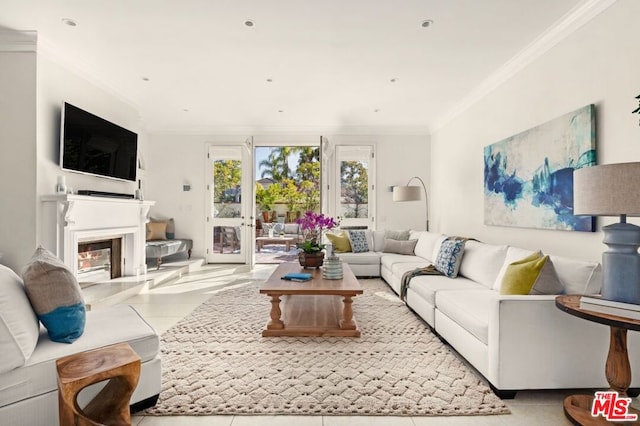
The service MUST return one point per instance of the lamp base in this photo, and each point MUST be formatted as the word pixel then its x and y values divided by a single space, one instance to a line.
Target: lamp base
pixel 621 263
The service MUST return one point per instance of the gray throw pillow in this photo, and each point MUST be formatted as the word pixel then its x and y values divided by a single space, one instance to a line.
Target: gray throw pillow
pixel 400 247
pixel 55 296
pixel 396 235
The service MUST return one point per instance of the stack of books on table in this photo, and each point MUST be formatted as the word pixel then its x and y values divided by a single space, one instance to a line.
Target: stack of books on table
pixel 597 304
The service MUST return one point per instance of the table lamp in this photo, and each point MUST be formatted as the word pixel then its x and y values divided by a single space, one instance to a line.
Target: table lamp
pixel 412 193
pixel 614 190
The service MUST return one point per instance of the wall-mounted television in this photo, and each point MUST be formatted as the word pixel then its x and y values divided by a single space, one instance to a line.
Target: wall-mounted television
pixel 90 144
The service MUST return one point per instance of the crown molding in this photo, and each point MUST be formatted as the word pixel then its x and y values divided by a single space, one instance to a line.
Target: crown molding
pixel 567 25
pixel 18 41
pixel 244 130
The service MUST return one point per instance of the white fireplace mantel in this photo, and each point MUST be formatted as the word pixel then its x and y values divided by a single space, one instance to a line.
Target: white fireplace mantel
pixel 70 219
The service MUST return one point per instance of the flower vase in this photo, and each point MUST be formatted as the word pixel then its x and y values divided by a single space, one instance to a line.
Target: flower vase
pixel 311 260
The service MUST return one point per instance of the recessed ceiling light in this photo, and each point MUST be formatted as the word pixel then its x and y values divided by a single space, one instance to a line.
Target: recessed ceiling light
pixel 393 80
pixel 427 23
pixel 70 22
pixel 248 23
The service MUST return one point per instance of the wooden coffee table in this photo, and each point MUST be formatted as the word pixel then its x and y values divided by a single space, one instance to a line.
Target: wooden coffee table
pixel 318 307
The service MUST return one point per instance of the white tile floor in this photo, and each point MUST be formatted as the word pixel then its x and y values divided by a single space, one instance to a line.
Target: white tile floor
pixel 165 305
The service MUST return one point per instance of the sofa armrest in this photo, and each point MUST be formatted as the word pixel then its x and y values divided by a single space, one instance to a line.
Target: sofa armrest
pixel 531 341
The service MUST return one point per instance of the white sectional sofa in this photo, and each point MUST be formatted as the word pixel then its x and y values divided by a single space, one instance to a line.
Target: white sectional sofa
pixel 28 379
pixel 515 342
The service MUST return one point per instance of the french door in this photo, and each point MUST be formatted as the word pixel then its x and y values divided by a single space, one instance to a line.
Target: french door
pixel 230 218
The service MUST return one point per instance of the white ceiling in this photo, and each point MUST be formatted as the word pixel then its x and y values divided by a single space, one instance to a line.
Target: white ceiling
pixel 331 61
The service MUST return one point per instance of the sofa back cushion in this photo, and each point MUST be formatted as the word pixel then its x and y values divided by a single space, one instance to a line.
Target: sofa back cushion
pixel 482 262
pixel 377 238
pixel 19 327
pixel 578 276
pixel 428 245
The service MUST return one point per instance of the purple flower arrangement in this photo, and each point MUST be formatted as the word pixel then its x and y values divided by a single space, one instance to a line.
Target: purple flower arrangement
pixel 312 226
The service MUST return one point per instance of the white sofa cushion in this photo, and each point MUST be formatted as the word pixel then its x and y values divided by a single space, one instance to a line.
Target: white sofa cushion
pixel 482 262
pixel 105 326
pixel 578 276
pixel 513 255
pixel 19 327
pixel 364 258
pixel 428 245
pixel 378 240
pixel 387 260
pixel 426 286
pixel 469 309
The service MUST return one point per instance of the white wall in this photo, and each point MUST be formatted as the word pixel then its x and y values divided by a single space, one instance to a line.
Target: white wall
pixel 32 89
pixel 17 156
pixel 598 64
pixel 172 160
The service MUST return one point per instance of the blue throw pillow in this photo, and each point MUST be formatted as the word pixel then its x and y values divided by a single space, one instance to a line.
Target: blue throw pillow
pixel 358 241
pixel 450 257
pixel 55 296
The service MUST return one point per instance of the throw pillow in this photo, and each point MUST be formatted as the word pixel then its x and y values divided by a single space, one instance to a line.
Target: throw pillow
pixel 450 257
pixel 157 230
pixel 55 296
pixel 397 235
pixel 358 240
pixel 531 275
pixel 171 229
pixel 400 247
pixel 340 242
pixel 19 328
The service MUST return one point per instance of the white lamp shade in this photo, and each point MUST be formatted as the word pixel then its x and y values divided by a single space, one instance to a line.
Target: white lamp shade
pixel 607 190
pixel 407 193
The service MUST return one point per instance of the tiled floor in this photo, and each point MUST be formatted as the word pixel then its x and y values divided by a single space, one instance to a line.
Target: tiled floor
pixel 166 304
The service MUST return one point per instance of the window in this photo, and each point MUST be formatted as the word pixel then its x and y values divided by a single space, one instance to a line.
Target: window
pixel 355 178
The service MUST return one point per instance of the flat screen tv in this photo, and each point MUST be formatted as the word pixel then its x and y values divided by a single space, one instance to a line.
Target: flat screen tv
pixel 90 144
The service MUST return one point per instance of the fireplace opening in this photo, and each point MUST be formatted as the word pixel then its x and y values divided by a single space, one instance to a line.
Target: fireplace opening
pixel 100 260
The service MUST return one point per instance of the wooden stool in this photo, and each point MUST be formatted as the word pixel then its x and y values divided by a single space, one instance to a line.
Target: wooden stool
pixel 111 406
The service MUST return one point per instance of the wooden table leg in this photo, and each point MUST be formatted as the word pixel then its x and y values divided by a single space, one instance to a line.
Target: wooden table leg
pixel 618 372
pixel 347 323
pixel 275 323
pixel 618 369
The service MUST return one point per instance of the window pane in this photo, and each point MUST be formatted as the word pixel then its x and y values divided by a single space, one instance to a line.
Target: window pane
pixel 354 189
pixel 227 176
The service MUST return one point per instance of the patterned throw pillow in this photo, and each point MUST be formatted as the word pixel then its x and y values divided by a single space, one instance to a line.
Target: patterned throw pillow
pixel 55 296
pixel 450 257
pixel 358 241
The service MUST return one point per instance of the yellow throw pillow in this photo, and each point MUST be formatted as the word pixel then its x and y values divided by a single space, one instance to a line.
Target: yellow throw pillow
pixel 340 242
pixel 531 275
pixel 157 231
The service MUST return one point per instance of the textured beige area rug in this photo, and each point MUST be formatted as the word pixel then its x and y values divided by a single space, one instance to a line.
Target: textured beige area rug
pixel 216 362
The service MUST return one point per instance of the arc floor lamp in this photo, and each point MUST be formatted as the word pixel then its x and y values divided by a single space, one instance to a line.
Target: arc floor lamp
pixel 412 193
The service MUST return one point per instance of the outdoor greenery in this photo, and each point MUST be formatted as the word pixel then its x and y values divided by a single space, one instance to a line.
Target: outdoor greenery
pixel 299 189
pixel 354 182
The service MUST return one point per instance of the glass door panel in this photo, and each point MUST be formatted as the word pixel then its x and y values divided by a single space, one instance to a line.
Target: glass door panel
pixel 229 229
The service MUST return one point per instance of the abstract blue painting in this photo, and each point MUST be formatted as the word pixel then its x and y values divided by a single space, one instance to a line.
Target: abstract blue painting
pixel 528 177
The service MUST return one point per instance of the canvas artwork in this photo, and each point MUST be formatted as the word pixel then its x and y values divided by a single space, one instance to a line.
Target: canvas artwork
pixel 528 177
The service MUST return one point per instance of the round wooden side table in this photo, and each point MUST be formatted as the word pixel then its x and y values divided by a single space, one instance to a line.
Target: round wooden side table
pixel 577 408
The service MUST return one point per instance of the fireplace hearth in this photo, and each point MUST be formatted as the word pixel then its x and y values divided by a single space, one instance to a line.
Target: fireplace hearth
pixel 101 259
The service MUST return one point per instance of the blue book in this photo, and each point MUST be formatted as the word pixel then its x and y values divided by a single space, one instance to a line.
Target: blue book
pixel 297 276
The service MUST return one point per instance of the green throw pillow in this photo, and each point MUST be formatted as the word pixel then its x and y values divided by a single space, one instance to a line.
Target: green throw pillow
pixel 531 275
pixel 340 242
